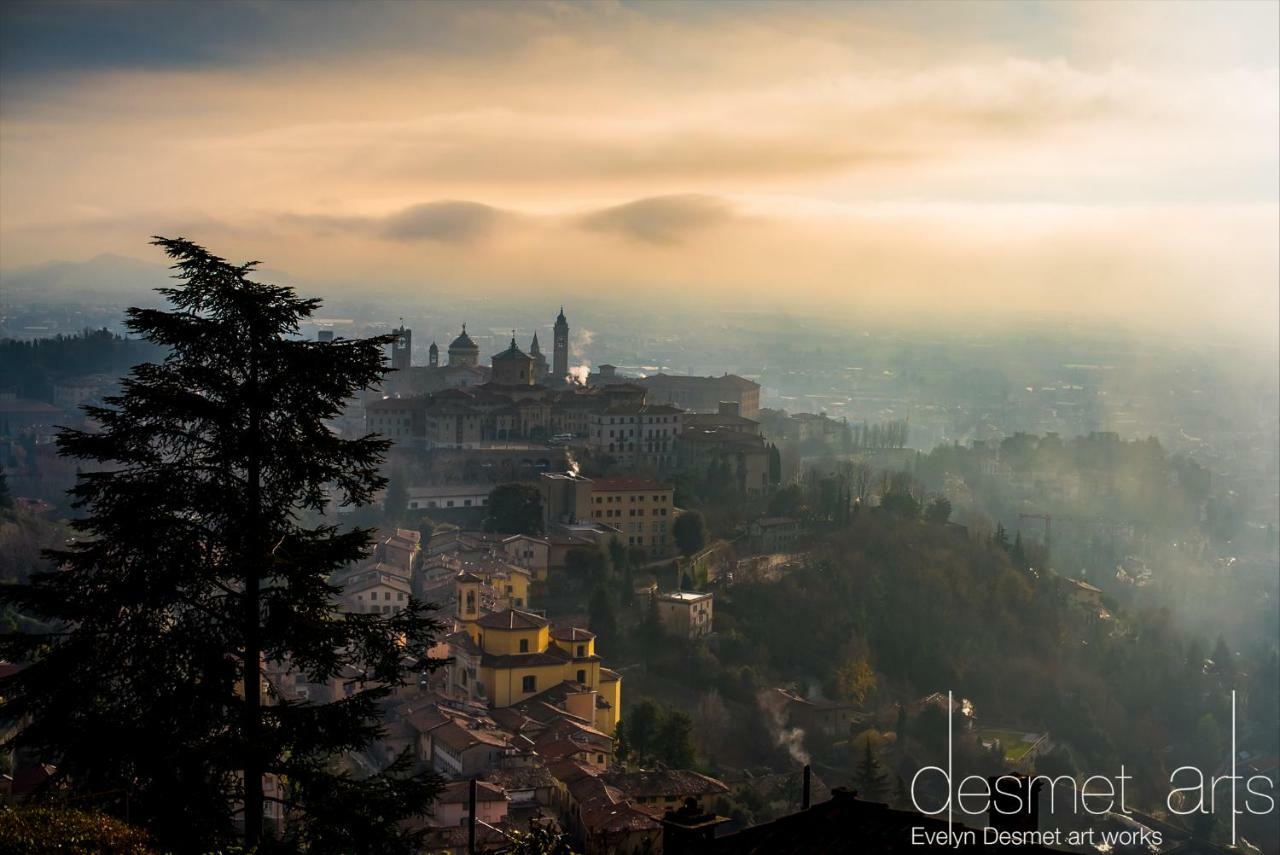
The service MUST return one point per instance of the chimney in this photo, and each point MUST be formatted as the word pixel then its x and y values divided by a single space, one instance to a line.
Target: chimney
pixel 686 831
pixel 582 704
pixel 471 816
pixel 730 408
pixel 1019 798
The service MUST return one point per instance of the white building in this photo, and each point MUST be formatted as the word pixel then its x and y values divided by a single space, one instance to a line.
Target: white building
pixel 686 614
pixel 449 496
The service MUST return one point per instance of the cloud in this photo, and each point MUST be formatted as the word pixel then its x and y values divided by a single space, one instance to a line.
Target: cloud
pixel 661 219
pixel 447 221
pixel 988 158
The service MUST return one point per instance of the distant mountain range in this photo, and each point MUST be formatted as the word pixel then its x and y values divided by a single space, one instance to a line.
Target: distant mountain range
pixel 106 278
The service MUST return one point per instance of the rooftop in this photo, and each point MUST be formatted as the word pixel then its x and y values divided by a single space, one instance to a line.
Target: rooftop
pixel 571 633
pixel 512 619
pixel 463 342
pixel 732 380
pixel 664 782
pixel 684 596
pixel 623 485
pixel 512 353
pixel 458 792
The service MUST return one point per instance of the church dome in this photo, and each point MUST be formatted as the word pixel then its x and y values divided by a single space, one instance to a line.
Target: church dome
pixel 464 342
pixel 511 353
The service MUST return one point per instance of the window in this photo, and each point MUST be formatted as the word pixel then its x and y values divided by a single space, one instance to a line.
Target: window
pixel 529 684
pixel 582 676
pixel 582 651
pixel 524 647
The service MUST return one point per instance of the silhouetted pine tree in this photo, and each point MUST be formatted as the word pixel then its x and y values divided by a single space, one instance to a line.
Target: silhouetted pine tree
pixel 6 500
pixel 871 778
pixel 193 569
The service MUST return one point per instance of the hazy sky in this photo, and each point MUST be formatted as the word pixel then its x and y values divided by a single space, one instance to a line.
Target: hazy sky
pixel 1109 159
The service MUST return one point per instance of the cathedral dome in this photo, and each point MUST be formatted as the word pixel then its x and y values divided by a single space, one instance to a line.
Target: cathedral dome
pixel 464 342
pixel 511 353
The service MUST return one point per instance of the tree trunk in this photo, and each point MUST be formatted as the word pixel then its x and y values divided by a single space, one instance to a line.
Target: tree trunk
pixel 253 766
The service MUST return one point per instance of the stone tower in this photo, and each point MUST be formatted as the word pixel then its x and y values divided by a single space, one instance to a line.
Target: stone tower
pixel 467 587
pixel 540 367
pixel 560 350
pixel 402 348
pixel 433 356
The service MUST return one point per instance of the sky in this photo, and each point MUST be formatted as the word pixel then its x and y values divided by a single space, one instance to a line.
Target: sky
pixel 1118 162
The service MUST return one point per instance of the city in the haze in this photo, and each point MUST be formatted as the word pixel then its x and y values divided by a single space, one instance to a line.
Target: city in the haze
pixel 788 427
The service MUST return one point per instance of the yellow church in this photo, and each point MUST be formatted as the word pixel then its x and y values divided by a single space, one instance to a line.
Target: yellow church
pixel 509 657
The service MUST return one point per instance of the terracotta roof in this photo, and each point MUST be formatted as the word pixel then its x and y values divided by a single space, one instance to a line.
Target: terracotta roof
pixel 459 792
pixel 714 419
pixel 732 380
pixel 558 749
pixel 544 712
pixel 618 485
pixel 571 633
pixel 633 408
pixel 462 638
pixel 524 660
pixel 426 719
pixel 460 738
pixel 567 728
pixel 608 675
pixel 570 771
pixel 395 404
pixel 511 720
pixel 521 777
pixel 369 579
pixel 603 816
pixel 512 619
pixel 557 693
pixel 664 782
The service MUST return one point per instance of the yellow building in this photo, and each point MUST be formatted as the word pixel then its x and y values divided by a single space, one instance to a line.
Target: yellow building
pixel 640 508
pixel 507 657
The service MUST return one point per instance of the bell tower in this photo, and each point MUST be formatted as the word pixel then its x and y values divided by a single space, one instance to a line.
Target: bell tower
pixel 401 348
pixel 560 349
pixel 467 586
